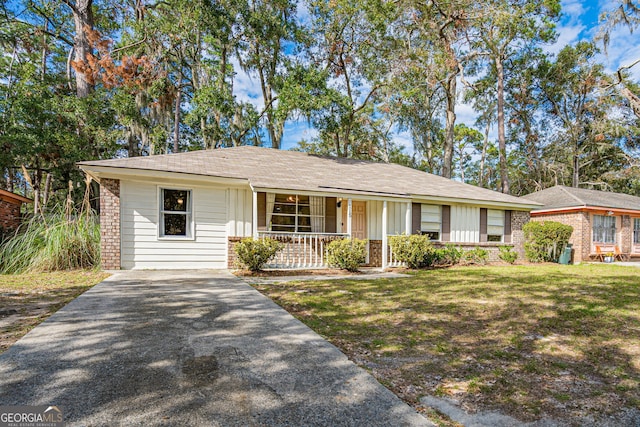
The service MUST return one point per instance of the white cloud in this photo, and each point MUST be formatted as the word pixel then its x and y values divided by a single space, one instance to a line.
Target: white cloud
pixel 295 131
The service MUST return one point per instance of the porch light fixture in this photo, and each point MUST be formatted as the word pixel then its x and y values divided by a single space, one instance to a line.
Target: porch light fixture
pixel 339 204
pixel 610 213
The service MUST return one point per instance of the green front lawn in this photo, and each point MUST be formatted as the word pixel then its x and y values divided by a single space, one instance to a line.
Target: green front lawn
pixel 530 341
pixel 28 299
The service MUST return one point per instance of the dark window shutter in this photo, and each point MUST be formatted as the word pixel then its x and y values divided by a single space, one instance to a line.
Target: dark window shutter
pixel 330 215
pixel 507 226
pixel 416 218
pixel 483 224
pixel 446 223
pixel 262 211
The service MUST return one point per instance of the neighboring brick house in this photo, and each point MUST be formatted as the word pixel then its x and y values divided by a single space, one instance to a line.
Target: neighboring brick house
pixel 598 218
pixel 188 210
pixel 10 216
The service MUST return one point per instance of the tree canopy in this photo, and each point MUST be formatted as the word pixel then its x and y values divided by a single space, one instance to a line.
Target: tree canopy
pixel 385 81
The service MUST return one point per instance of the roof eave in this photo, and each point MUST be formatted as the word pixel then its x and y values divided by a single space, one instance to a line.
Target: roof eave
pixel 478 202
pixel 118 172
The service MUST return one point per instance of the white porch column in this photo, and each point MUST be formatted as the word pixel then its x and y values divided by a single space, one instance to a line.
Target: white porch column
pixel 385 249
pixel 349 216
pixel 254 219
pixel 408 219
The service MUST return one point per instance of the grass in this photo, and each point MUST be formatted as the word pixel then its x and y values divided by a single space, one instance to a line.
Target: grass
pixel 26 300
pixel 53 242
pixel 529 341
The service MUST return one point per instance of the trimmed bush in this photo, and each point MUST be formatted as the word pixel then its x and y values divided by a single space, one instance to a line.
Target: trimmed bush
pixel 450 254
pixel 415 250
pixel 347 254
pixel 545 241
pixel 477 256
pixel 53 242
pixel 507 254
pixel 254 254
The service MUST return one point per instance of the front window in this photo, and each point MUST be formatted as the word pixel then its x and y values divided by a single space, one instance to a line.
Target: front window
pixel 175 213
pixel 431 221
pixel 604 229
pixel 636 231
pixel 295 213
pixel 495 225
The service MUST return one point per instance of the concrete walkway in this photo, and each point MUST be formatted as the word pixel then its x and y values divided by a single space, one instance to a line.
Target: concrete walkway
pixel 190 348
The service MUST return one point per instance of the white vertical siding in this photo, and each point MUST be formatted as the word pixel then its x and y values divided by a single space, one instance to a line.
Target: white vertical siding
pixel 239 212
pixel 396 217
pixel 465 224
pixel 141 247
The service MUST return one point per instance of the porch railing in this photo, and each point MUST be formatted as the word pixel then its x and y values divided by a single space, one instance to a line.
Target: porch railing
pixel 392 261
pixel 301 250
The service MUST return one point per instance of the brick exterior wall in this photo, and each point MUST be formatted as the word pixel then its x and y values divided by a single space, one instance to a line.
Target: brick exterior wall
pixel 375 253
pixel 9 216
pixel 518 220
pixel 110 223
pixel 232 257
pixel 581 236
pixel 626 234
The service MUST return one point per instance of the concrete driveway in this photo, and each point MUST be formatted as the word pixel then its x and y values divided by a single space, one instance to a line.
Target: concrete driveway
pixel 190 348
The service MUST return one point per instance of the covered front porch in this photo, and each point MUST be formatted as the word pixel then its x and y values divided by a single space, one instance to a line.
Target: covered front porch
pixel 306 223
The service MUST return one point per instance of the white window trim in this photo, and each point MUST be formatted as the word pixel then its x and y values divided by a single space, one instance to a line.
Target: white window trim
pixel 189 213
pixel 617 230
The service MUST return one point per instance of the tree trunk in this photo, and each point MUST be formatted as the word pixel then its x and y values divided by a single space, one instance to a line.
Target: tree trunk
pixel 83 20
pixel 451 92
pixel 483 156
pixel 176 118
pixel 575 182
pixel 502 145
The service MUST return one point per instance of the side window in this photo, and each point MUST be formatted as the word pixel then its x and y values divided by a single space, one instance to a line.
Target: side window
pixel 175 213
pixel 431 221
pixel 495 225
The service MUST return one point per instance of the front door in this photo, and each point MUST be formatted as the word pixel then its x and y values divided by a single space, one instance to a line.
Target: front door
pixel 358 219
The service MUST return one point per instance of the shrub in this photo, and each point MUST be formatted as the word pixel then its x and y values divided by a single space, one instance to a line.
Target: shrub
pixel 475 256
pixel 347 254
pixel 415 250
pixel 449 255
pixel 507 254
pixel 254 254
pixel 545 241
pixel 53 242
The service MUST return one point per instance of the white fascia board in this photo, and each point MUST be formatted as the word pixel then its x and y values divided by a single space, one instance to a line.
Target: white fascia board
pixel 98 172
pixel 481 203
pixel 342 194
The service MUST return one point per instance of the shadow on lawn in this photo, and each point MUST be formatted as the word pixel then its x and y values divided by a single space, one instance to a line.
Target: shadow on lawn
pixel 564 344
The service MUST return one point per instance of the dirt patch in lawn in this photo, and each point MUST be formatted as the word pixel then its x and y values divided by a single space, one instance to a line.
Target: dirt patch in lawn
pixel 26 300
pixel 532 342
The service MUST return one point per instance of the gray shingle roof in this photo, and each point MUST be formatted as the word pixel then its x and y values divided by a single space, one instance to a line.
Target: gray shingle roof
pixel 291 170
pixel 567 197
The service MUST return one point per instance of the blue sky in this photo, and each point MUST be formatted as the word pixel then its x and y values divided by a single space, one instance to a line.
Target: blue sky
pixel 579 21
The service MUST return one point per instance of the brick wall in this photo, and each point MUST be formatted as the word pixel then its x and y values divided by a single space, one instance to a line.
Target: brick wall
pixel 518 220
pixel 9 215
pixel 232 257
pixel 375 253
pixel 581 236
pixel 626 234
pixel 110 223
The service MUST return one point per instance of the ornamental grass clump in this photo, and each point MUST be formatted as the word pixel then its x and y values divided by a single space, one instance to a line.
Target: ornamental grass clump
pixel 52 242
pixel 347 254
pixel 255 254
